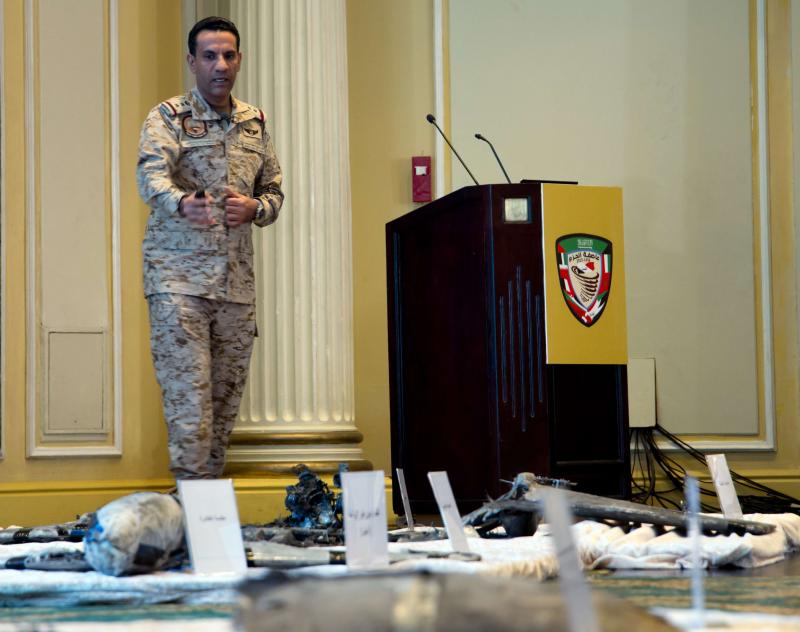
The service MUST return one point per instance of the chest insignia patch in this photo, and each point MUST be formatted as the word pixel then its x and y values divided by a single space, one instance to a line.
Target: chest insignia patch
pixel 251 132
pixel 193 127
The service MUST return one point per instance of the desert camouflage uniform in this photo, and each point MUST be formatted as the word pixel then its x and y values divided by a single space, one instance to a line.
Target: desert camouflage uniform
pixel 199 279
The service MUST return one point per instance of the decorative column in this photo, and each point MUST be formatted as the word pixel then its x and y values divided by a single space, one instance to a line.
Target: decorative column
pixel 299 403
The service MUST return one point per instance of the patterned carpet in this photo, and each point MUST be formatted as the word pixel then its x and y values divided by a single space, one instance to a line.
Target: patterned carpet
pixel 161 612
pixel 737 593
pixel 733 592
pixel 772 590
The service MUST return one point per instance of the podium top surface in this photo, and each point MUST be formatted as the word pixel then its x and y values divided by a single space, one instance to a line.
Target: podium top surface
pixel 574 233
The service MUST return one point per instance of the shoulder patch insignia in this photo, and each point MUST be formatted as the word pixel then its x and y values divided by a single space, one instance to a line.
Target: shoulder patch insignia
pixel 251 131
pixel 175 106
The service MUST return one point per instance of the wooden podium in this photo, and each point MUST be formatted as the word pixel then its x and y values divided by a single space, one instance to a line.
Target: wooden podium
pixel 507 340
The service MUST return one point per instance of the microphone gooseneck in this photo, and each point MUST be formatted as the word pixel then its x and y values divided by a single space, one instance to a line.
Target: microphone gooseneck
pixel 432 120
pixel 496 157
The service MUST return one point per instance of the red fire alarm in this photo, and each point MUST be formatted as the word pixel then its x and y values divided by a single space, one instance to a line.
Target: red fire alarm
pixel 421 178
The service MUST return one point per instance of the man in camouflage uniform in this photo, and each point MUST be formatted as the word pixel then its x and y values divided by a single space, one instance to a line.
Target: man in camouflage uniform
pixel 208 170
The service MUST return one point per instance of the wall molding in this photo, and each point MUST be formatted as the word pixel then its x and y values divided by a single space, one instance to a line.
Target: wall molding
pixel 723 444
pixel 50 433
pixel 34 325
pixel 2 234
pixel 767 356
pixel 784 482
pixel 765 439
pixel 116 226
pixel 31 227
pixel 259 500
pixel 438 94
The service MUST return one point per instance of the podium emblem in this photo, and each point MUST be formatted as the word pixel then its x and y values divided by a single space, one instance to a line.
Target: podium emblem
pixel 584 271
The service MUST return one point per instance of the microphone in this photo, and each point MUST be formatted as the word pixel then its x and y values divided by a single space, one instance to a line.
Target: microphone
pixel 432 120
pixel 499 162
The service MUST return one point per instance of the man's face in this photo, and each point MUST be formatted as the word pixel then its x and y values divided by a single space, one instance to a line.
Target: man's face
pixel 215 65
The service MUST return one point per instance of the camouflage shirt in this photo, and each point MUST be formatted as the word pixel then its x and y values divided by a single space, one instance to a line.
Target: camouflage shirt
pixel 187 146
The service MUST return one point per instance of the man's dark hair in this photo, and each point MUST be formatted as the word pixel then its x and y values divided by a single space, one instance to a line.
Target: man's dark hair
pixel 211 23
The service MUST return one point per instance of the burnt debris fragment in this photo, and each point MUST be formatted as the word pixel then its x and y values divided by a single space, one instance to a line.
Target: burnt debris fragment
pixel 520 509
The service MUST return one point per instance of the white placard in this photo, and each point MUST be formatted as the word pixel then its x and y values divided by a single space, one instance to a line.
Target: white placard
pixel 401 480
pixel 726 492
pixel 213 531
pixel 581 616
pixel 449 511
pixel 365 528
pixel 692 498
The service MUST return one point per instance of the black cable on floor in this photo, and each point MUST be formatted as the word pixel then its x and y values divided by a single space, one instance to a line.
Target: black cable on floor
pixel 649 461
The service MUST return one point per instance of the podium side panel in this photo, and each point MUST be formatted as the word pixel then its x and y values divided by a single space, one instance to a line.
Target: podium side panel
pixel 523 427
pixel 583 251
pixel 441 386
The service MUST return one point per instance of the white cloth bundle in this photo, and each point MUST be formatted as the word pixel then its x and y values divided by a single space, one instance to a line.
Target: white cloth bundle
pixel 602 546
pixel 134 534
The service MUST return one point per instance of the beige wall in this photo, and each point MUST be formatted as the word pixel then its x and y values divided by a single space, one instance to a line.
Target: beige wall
pixel 42 489
pixel 655 98
pixel 387 118
pixel 391 90
pixel 390 73
pixel 795 149
pixel 390 52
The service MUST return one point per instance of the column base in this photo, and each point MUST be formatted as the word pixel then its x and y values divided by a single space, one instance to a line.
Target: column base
pixel 254 454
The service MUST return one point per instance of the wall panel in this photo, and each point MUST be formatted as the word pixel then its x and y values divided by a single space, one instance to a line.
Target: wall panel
pixel 654 97
pixel 3 212
pixel 72 210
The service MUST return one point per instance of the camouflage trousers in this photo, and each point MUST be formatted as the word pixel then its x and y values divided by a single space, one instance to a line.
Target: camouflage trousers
pixel 201 352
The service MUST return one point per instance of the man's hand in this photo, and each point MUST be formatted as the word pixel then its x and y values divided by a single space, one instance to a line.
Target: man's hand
pixel 239 209
pixel 197 209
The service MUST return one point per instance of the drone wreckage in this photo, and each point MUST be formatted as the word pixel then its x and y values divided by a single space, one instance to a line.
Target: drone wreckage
pixel 520 509
pixel 143 532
